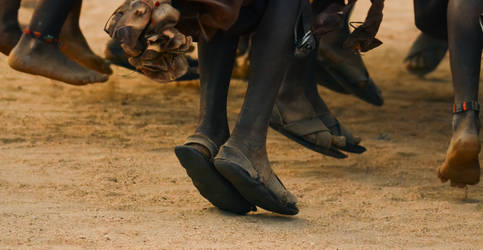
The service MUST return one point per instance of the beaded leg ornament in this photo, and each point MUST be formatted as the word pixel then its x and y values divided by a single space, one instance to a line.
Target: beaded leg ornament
pixel 46 38
pixel 465 106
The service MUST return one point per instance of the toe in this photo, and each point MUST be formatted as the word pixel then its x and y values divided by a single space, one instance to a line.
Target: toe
pixel 339 141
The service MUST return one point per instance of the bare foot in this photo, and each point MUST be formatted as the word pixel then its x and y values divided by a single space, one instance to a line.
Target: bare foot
pixel 37 57
pixel 11 33
pixel 75 46
pixel 462 165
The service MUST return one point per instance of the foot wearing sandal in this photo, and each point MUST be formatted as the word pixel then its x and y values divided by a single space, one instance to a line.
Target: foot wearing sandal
pixel 352 141
pixel 248 169
pixel 196 156
pixel 298 121
pixel 462 166
pixel 425 55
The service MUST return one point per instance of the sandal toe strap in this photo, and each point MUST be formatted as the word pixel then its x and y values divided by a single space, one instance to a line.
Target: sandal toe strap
pixel 307 127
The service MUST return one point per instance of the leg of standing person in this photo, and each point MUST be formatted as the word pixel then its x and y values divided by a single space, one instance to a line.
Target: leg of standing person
pixel 462 166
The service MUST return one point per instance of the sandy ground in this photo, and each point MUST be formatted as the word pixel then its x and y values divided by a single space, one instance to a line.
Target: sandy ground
pixel 93 167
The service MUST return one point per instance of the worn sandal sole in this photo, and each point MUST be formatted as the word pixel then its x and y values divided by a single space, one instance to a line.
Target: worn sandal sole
pixel 353 148
pixel 253 190
pixel 329 152
pixel 211 184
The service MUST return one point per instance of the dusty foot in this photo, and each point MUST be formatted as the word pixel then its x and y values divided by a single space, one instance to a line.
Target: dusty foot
pixel 299 108
pixel 338 130
pixel 462 166
pixel 34 56
pixel 248 169
pixel 11 33
pixel 196 156
pixel 75 46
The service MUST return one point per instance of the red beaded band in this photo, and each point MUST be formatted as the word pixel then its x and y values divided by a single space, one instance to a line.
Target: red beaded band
pixel 45 38
pixel 465 106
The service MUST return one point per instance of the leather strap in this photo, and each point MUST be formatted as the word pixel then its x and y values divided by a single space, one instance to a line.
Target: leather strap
pixel 203 141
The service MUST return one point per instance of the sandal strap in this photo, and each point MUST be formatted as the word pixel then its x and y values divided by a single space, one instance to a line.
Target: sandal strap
pixel 302 127
pixel 329 125
pixel 465 106
pixel 203 141
pixel 307 126
pixel 232 154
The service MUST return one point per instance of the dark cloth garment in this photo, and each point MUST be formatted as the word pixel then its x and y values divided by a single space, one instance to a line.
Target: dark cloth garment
pixel 206 17
pixel 320 5
pixel 431 17
pixel 250 16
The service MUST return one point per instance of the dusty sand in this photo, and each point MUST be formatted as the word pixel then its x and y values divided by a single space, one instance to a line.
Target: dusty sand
pixel 93 167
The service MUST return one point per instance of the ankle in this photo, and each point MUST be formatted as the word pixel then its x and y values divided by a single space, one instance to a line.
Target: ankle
pixel 249 138
pixel 218 136
pixel 467 121
pixel 46 38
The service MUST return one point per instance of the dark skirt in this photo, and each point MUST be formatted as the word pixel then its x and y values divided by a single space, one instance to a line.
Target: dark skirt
pixel 431 17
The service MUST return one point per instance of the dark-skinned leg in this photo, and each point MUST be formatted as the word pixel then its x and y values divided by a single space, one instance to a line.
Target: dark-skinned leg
pixel 36 56
pixel 243 159
pixel 321 108
pixel 465 38
pixel 75 45
pixel 9 26
pixel 216 59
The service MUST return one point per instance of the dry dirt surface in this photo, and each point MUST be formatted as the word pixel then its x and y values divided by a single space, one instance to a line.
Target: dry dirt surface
pixel 93 167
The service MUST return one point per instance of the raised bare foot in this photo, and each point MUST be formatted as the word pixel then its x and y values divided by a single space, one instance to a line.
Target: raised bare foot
pixel 75 46
pixel 11 33
pixel 462 165
pixel 34 56
pixel 247 168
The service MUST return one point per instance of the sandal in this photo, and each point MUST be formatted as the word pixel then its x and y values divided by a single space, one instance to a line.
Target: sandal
pixel 261 188
pixel 211 184
pixel 352 142
pixel 297 131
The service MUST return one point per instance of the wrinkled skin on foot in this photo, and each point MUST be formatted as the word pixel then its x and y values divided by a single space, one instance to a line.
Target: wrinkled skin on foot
pixel 146 32
pixel 462 165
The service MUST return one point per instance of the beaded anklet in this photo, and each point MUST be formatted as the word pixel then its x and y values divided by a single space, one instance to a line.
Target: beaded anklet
pixel 46 38
pixel 465 106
